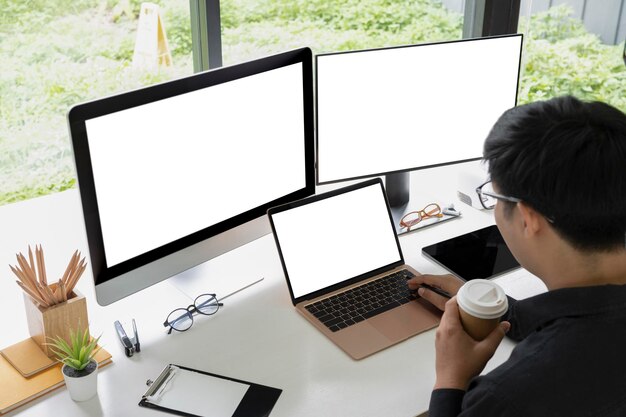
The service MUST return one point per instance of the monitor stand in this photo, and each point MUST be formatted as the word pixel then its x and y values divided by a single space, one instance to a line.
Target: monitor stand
pixel 398 189
pixel 224 273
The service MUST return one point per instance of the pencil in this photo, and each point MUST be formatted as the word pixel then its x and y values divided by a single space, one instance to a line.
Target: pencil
pixel 44 278
pixel 32 280
pixel 76 276
pixel 21 260
pixel 51 294
pixel 45 294
pixel 38 262
pixel 30 257
pixel 21 276
pixel 436 290
pixel 71 276
pixel 66 274
pixel 63 290
pixel 33 295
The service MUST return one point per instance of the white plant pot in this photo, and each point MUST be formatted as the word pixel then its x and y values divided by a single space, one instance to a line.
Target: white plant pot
pixel 82 388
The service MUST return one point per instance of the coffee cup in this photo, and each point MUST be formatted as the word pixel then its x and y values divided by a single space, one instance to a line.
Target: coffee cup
pixel 481 305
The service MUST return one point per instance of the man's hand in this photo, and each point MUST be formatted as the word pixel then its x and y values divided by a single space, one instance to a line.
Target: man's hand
pixel 449 283
pixel 459 358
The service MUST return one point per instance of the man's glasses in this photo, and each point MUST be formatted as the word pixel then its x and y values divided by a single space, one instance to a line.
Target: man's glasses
pixel 488 197
pixel 414 217
pixel 181 319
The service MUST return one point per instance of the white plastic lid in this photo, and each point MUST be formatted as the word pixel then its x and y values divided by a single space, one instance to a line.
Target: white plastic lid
pixel 483 299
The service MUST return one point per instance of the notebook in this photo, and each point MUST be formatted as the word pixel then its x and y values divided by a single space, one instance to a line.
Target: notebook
pixel 27 358
pixel 339 250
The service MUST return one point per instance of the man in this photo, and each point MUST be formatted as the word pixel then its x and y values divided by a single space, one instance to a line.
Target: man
pixel 558 170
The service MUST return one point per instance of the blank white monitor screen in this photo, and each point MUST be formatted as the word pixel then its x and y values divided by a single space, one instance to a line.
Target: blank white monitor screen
pixel 397 109
pixel 169 168
pixel 174 174
pixel 334 239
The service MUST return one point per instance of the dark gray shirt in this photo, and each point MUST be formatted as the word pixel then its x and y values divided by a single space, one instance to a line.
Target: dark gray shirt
pixel 570 360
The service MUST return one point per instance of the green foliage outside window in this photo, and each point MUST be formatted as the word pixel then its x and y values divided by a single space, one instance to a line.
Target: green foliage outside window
pixel 257 28
pixel 56 53
pixel 561 57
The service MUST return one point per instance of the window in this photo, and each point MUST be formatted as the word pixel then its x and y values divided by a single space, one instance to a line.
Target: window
pixel 251 29
pixel 574 47
pixel 57 53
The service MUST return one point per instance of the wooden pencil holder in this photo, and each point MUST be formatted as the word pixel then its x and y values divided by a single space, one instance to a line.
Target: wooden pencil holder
pixel 45 323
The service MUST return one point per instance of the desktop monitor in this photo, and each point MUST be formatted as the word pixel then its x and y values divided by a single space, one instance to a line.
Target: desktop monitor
pixel 394 110
pixel 177 173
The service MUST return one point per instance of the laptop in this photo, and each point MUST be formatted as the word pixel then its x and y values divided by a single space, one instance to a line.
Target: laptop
pixel 345 270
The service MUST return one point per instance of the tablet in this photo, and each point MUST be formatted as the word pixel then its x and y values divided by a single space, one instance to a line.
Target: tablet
pixel 478 254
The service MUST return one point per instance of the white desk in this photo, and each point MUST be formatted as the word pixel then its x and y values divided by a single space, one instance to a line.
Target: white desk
pixel 257 336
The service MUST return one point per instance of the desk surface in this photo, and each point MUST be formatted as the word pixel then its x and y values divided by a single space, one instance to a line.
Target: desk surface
pixel 257 336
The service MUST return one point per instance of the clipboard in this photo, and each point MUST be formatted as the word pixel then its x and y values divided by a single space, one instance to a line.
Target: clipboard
pixel 189 392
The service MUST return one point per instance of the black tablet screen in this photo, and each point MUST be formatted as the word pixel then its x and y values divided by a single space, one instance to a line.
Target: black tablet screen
pixel 478 254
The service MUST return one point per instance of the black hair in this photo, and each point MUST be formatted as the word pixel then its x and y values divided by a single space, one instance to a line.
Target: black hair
pixel 567 159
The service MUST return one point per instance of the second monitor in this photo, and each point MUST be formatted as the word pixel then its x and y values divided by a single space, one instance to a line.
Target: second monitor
pixel 393 110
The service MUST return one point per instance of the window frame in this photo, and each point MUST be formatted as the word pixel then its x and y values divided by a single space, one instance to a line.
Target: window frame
pixel 490 17
pixel 206 35
pixel 481 18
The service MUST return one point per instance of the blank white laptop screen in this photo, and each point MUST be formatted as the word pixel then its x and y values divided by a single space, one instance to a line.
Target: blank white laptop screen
pixel 337 238
pixel 175 160
pixel 386 110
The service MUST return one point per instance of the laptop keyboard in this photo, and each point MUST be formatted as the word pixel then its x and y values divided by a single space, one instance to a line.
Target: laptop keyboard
pixel 360 303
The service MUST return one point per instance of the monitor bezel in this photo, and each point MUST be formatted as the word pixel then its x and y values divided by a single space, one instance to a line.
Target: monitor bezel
pixel 415 168
pixel 77 116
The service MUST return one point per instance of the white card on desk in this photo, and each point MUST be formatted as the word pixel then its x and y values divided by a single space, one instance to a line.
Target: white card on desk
pixel 200 394
pixel 190 392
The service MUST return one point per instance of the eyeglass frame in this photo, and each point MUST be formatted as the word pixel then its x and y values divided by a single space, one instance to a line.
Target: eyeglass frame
pixel 480 193
pixel 191 309
pixel 421 216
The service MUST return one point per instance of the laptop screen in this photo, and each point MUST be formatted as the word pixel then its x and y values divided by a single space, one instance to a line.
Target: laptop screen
pixel 335 237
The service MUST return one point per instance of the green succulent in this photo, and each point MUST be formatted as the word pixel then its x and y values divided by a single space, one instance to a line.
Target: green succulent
pixel 78 353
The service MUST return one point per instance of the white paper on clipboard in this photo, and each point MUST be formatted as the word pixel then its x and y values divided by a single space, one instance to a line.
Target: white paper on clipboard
pixel 200 394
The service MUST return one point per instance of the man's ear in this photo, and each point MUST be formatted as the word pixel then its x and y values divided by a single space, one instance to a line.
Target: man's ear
pixel 532 220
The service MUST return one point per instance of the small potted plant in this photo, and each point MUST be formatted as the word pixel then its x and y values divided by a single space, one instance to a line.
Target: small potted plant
pixel 79 369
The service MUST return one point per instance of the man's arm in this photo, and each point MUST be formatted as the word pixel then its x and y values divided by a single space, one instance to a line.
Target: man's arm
pixel 458 360
pixel 459 357
pixel 511 316
pixel 446 402
pixel 484 398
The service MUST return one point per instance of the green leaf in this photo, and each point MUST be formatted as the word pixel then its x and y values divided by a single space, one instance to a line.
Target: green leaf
pixel 75 343
pixel 74 363
pixel 60 355
pixel 96 351
pixel 86 336
pixel 62 346
pixel 79 352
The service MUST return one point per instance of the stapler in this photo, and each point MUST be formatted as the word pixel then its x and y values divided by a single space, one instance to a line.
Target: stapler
pixel 131 345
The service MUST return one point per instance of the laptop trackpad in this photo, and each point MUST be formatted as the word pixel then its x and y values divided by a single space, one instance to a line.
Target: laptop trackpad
pixel 407 320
